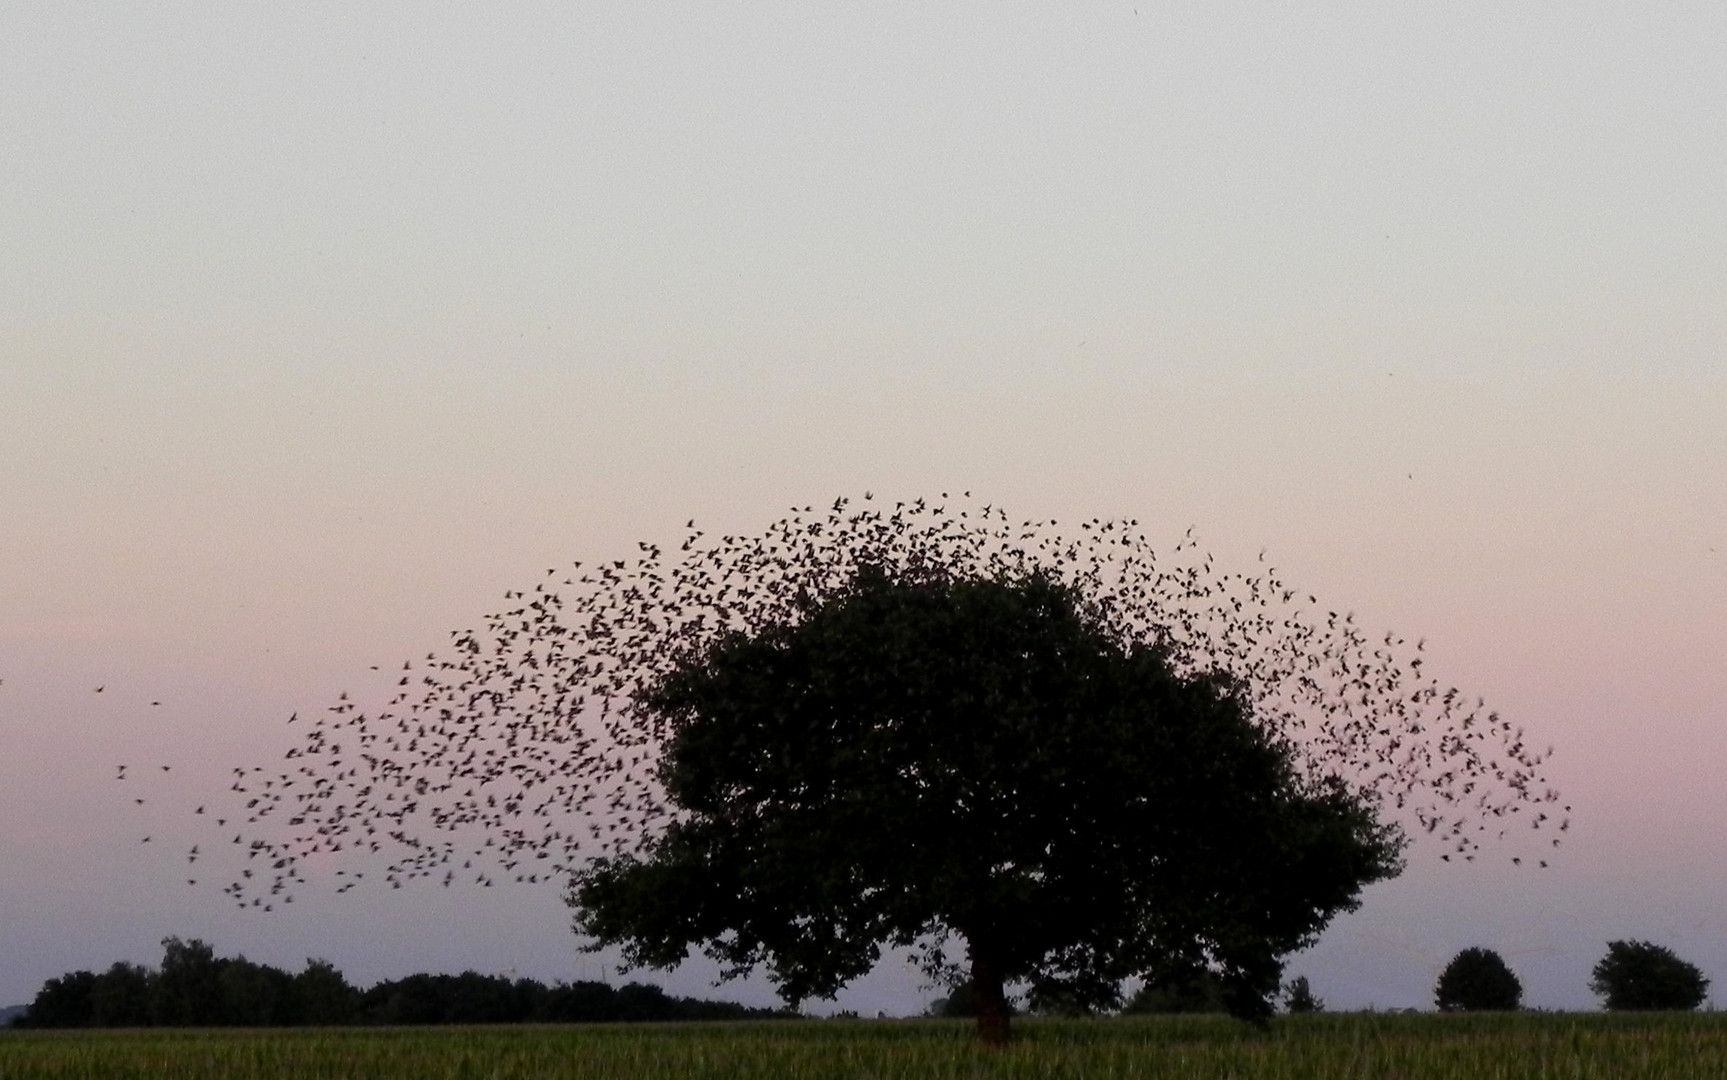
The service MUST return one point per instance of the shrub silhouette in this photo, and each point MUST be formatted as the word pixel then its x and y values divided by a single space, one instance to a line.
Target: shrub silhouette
pixel 1477 980
pixel 1298 997
pixel 1637 975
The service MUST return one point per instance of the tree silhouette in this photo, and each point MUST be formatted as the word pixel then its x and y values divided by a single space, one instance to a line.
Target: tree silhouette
pixel 1298 997
pixel 322 995
pixel 187 989
pixel 121 996
pixel 1477 979
pixel 1639 975
pixel 233 991
pixel 925 757
pixel 530 749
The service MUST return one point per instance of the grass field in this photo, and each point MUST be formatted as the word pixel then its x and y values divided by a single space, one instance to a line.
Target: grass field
pixel 1324 1047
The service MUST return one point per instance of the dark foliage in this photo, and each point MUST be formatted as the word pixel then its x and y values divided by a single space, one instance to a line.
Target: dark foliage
pixel 1298 997
pixel 122 997
pixel 1055 1002
pixel 195 988
pixel 471 998
pixel 920 759
pixel 323 997
pixel 1183 988
pixel 188 990
pixel 960 1003
pixel 1637 975
pixel 67 1001
pixel 1478 980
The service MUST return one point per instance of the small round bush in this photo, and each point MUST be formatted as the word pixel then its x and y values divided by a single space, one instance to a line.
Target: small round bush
pixel 1639 975
pixel 1477 980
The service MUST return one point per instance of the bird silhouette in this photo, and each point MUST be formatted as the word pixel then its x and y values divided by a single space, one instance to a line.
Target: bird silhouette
pixel 528 740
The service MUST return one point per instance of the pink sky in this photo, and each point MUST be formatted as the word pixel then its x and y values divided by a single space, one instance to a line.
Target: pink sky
pixel 316 337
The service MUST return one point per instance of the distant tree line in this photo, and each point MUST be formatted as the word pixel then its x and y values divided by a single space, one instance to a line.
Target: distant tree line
pixel 196 988
pixel 1634 975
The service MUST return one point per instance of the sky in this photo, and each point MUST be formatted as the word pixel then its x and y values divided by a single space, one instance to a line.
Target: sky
pixel 323 326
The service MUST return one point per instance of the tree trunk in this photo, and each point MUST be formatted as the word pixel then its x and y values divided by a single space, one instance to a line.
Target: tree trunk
pixel 986 984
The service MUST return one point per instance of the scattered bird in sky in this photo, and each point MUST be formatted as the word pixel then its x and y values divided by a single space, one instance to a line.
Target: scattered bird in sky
pixel 525 746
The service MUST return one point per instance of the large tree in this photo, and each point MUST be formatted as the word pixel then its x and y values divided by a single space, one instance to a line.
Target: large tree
pixel 538 744
pixel 917 758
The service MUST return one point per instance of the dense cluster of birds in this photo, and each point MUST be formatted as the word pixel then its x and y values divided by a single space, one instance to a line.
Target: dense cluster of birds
pixel 524 750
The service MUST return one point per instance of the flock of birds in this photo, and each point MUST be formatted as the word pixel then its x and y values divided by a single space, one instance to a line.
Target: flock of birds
pixel 523 752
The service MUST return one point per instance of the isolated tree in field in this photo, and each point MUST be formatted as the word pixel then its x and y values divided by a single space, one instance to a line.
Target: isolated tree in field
pixel 536 749
pixel 1638 975
pixel 914 759
pixel 1478 980
pixel 1298 997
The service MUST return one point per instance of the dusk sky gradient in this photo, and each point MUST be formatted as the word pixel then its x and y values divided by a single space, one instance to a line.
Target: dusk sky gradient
pixel 322 328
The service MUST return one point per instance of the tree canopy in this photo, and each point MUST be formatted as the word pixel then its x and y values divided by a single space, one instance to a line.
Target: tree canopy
pixel 533 747
pixel 1478 979
pixel 1298 997
pixel 1640 975
pixel 918 758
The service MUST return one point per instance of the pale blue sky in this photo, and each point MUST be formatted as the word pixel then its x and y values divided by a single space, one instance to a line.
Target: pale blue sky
pixel 320 328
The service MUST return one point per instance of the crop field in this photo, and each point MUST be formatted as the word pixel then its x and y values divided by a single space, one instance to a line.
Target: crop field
pixel 1324 1047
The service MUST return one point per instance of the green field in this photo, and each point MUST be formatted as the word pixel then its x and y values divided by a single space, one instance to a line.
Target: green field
pixel 1324 1047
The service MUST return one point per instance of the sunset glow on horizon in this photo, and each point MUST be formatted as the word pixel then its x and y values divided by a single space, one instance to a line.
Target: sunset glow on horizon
pixel 321 330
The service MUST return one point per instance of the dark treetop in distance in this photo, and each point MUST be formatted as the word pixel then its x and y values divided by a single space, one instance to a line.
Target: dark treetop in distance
pixel 529 749
pixel 917 758
pixel 1478 979
pixel 1298 997
pixel 1638 975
